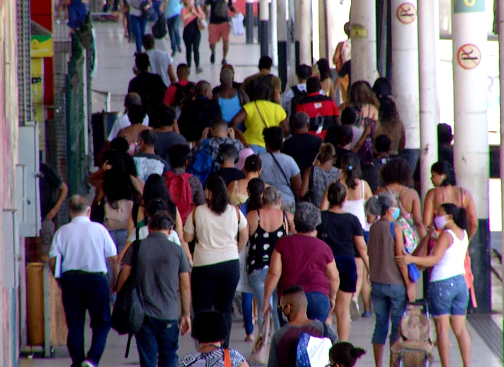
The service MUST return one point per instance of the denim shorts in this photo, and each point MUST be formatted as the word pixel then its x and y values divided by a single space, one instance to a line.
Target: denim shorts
pixel 448 296
pixel 389 302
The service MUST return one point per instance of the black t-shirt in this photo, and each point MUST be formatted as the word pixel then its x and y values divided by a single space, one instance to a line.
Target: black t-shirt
pixel 150 87
pixel 303 148
pixel 230 174
pixel 346 69
pixel 340 152
pixel 219 10
pixel 198 115
pixel 338 231
pixel 49 182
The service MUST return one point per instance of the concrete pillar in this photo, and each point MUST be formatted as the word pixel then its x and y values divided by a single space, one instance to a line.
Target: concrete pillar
pixel 428 31
pixel 363 21
pixel 471 132
pixel 264 26
pixel 249 21
pixel 323 51
pixel 292 44
pixel 296 19
pixel 282 41
pixel 501 80
pixel 304 23
pixel 274 31
pixel 316 11
pixel 405 84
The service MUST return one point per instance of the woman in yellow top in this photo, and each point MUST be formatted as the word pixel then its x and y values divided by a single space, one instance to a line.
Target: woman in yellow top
pixel 258 115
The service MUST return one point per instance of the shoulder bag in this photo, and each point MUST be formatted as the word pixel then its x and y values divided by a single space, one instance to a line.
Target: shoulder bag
pixel 262 344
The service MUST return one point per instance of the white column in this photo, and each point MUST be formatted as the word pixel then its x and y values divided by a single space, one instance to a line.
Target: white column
pixel 501 81
pixel 304 22
pixel 405 84
pixel 316 11
pixel 323 32
pixel 274 32
pixel 428 34
pixel 282 41
pixel 264 26
pixel 363 21
pixel 471 155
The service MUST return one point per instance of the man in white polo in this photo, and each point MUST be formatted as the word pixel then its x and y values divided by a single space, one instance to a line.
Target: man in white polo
pixel 79 254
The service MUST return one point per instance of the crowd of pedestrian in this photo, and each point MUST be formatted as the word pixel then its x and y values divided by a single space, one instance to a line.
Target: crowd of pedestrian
pixel 308 203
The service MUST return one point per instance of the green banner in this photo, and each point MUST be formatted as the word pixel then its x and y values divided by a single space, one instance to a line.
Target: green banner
pixel 469 6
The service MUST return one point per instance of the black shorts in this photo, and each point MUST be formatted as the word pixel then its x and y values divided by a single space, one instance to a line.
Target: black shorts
pixel 347 273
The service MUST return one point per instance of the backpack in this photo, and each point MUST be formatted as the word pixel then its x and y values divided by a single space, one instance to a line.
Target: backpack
pixel 116 216
pixel 184 93
pixel 312 350
pixel 415 345
pixel 298 96
pixel 159 29
pixel 180 192
pixel 202 163
pixel 256 82
pixel 413 272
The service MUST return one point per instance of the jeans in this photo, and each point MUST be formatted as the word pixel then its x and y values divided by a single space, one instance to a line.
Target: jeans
pixel 389 301
pixel 77 12
pixel 448 296
pixel 318 306
pixel 247 312
pixel 256 280
pixel 192 39
pixel 138 26
pixel 213 288
pixel 174 31
pixel 157 342
pixel 81 292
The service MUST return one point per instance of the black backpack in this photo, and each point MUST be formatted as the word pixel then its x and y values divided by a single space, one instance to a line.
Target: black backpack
pixel 298 96
pixel 159 29
pixel 184 93
pixel 256 82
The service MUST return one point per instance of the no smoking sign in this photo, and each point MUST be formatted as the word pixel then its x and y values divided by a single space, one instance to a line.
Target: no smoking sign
pixel 469 56
pixel 406 13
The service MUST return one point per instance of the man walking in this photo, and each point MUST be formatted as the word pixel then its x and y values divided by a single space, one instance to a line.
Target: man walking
pixel 79 253
pixel 173 20
pixel 219 26
pixel 162 270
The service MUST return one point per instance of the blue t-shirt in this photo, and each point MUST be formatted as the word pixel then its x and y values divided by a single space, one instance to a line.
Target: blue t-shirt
pixel 173 8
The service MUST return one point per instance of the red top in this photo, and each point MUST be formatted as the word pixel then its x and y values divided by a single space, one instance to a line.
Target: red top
pixel 304 263
pixel 320 108
pixel 169 98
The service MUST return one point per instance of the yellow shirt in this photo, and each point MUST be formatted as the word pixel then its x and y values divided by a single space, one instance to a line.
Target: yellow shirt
pixel 272 113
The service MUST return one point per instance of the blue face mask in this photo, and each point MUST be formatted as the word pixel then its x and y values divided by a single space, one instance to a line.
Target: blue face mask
pixel 396 214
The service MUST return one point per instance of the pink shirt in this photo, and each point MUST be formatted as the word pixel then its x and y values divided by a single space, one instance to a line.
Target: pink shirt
pixel 191 17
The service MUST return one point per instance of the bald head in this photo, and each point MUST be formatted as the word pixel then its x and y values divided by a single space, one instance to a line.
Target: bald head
pixel 226 77
pixel 78 206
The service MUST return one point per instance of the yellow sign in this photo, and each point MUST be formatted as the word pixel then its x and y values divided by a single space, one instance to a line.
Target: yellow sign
pixel 358 31
pixel 42 46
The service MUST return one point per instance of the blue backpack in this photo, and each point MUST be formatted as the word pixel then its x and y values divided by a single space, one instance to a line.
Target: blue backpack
pixel 202 163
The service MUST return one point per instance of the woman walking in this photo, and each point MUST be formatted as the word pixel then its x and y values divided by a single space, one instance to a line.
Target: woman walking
pixel 192 15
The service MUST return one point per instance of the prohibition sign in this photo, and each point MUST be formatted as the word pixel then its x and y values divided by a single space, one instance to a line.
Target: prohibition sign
pixel 406 13
pixel 469 56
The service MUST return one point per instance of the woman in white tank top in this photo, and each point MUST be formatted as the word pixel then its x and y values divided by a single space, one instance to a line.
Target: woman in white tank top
pixel 448 294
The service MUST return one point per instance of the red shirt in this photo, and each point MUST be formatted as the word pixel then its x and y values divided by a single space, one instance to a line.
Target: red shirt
pixel 304 263
pixel 320 108
pixel 169 98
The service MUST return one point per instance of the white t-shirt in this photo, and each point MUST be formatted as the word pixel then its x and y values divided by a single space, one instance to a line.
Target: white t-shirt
pixel 216 234
pixel 121 123
pixel 159 63
pixel 143 232
pixel 83 245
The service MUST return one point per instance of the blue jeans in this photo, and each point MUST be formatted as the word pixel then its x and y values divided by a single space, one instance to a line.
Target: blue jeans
pixel 257 148
pixel 256 280
pixel 448 296
pixel 389 301
pixel 76 14
pixel 138 26
pixel 247 312
pixel 174 31
pixel 157 342
pixel 81 293
pixel 318 306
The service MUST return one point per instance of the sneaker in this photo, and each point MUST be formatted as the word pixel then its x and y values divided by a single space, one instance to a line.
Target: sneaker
pixel 199 70
pixel 224 62
pixel 173 53
pixel 367 314
pixel 179 49
pixel 212 58
pixel 87 363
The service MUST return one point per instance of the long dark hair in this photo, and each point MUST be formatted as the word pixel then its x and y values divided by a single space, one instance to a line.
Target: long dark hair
pixel 220 198
pixel 345 354
pixel 155 188
pixel 324 69
pixel 350 164
pixel 445 168
pixel 255 187
pixel 117 185
pixel 459 214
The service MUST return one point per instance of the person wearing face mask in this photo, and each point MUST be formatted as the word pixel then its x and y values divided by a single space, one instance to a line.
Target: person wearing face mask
pixel 448 294
pixel 293 305
pixel 391 287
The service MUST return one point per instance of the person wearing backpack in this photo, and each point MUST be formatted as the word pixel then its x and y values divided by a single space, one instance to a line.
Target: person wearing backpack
pixel 293 95
pixel 264 75
pixel 180 91
pixel 185 189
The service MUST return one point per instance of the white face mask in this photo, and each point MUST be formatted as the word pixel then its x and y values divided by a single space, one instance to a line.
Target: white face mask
pixel 440 221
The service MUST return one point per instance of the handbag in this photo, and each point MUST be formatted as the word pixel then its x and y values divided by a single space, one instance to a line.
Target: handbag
pixel 413 272
pixel 262 344
pixel 116 217
pixel 147 9
pixel 159 29
pixel 128 313
pixel 202 24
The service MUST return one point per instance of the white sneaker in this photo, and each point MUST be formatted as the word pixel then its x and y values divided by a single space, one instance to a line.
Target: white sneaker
pixel 87 363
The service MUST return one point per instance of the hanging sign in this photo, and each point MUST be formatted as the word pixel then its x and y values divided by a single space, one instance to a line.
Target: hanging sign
pixel 469 6
pixel 406 13
pixel 469 56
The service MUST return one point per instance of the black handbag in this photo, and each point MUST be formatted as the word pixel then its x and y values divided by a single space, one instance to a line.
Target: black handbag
pixel 147 10
pixel 128 313
pixel 159 29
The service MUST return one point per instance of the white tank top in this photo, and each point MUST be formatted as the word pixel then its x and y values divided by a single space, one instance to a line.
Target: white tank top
pixel 357 208
pixel 452 263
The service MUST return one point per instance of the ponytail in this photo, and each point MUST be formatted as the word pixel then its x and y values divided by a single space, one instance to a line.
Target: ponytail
pixel 459 215
pixel 350 164
pixel 345 354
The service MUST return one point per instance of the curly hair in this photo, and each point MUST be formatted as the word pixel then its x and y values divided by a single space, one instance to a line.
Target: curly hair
pixel 397 171
pixel 326 152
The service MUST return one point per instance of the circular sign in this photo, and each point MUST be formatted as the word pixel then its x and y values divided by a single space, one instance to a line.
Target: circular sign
pixel 406 13
pixel 469 56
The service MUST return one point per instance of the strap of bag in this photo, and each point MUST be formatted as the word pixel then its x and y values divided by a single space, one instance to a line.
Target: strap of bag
pixel 326 332
pixel 260 114
pixel 194 223
pixel 227 358
pixel 281 170
pixel 136 208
